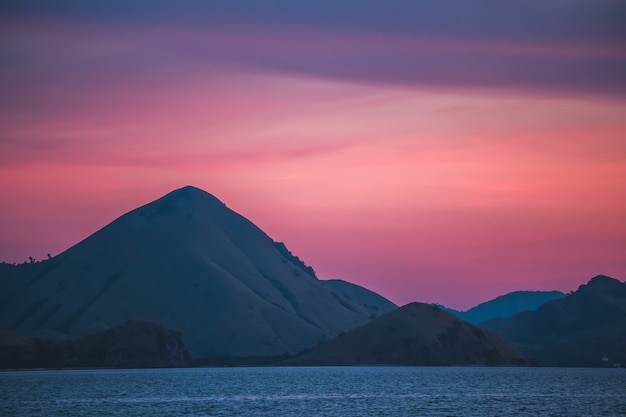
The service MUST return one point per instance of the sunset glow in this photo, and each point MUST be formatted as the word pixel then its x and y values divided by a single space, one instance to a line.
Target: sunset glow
pixel 427 166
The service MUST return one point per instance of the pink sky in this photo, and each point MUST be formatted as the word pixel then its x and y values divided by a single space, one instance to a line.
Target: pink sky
pixel 451 190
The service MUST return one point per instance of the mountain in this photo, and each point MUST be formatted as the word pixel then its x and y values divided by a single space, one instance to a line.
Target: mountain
pixel 134 344
pixel 360 295
pixel 506 305
pixel 578 330
pixel 189 263
pixel 415 334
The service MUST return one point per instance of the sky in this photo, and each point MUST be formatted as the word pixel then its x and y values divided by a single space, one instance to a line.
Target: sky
pixel 435 151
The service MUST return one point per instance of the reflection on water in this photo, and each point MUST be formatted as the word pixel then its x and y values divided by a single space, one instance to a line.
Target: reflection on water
pixel 330 391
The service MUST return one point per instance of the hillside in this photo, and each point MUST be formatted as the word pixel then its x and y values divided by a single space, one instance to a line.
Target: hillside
pixel 578 330
pixel 360 295
pixel 189 263
pixel 134 344
pixel 415 334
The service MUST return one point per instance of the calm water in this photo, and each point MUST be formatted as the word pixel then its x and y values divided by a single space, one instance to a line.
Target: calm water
pixel 350 391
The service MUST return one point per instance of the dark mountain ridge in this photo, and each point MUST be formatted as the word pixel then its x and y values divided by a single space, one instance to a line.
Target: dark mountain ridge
pixel 581 329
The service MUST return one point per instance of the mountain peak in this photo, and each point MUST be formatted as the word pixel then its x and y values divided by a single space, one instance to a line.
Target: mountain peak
pixel 189 192
pixel 603 283
pixel 186 201
pixel 601 278
pixel 188 189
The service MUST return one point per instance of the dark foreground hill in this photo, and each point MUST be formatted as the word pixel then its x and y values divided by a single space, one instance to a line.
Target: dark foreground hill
pixel 416 334
pixel 189 263
pixel 586 328
pixel 507 305
pixel 134 344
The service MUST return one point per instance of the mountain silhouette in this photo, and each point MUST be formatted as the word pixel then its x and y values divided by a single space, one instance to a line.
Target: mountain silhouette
pixel 189 263
pixel 585 328
pixel 506 305
pixel 415 334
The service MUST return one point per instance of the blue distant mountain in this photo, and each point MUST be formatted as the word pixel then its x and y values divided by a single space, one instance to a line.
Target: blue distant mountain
pixel 506 305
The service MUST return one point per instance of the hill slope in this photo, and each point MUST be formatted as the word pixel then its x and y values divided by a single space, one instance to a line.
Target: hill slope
pixel 189 263
pixel 578 330
pixel 416 334
pixel 360 295
pixel 134 344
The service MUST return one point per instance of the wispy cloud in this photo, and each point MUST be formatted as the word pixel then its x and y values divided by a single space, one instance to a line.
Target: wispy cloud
pixel 582 55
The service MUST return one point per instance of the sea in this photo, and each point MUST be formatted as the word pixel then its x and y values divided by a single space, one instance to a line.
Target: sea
pixel 316 391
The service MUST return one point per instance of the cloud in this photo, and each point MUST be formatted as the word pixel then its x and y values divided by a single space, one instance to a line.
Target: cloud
pixel 536 20
pixel 541 47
